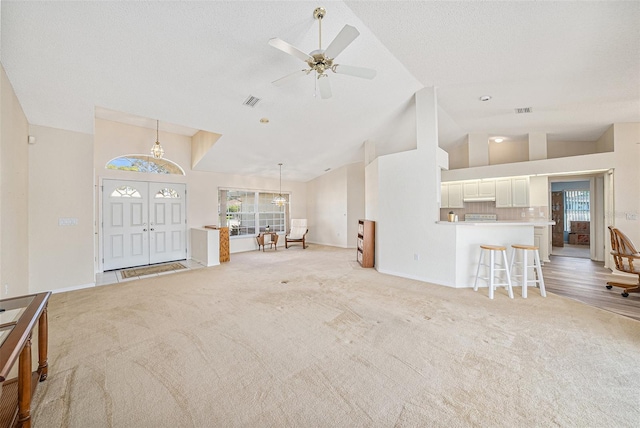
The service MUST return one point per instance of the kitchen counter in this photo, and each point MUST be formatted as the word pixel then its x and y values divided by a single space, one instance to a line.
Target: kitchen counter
pixel 499 223
pixel 467 236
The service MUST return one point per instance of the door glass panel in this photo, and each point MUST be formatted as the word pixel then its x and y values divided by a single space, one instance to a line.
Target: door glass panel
pixel 167 193
pixel 126 192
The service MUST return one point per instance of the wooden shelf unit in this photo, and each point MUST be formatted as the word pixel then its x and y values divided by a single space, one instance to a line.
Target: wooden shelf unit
pixel 366 243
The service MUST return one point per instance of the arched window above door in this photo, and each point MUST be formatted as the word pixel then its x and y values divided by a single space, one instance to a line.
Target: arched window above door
pixel 144 163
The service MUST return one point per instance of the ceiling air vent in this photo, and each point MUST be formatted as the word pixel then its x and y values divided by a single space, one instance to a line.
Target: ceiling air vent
pixel 251 101
pixel 524 110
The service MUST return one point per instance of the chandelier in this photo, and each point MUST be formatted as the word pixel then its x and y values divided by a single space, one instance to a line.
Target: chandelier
pixel 280 200
pixel 156 150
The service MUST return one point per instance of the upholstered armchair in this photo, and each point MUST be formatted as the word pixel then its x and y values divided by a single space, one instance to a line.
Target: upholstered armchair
pixel 297 233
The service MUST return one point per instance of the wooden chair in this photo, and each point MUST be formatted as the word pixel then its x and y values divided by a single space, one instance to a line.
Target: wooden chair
pixel 297 233
pixel 624 255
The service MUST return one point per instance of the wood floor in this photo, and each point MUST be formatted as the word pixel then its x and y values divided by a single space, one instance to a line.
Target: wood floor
pixel 585 280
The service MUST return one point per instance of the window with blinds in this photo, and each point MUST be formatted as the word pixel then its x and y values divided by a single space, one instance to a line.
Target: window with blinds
pixel 576 207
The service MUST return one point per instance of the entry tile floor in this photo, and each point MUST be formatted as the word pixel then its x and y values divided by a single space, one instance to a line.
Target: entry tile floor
pixel 115 276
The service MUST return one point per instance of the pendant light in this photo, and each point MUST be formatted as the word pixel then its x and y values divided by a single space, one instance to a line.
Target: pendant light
pixel 280 200
pixel 157 151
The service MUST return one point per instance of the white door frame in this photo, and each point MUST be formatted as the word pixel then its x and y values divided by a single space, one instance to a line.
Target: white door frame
pixel 100 221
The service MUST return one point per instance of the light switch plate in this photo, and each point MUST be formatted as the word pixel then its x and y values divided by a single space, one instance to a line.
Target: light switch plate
pixel 66 221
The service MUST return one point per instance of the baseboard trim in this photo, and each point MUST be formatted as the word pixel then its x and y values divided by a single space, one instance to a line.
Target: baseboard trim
pixel 74 288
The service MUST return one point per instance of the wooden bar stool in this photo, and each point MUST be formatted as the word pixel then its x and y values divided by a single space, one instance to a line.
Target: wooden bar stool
pixel 524 266
pixel 494 268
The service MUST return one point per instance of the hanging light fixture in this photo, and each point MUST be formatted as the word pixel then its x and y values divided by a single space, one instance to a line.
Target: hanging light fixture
pixel 280 200
pixel 157 151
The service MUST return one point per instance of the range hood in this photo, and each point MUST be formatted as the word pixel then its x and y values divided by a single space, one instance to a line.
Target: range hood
pixel 479 198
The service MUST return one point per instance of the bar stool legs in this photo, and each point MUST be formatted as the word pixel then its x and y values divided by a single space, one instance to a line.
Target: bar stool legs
pixel 525 266
pixel 493 268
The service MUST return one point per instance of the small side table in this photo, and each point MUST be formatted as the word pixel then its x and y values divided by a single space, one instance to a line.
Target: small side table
pixel 270 238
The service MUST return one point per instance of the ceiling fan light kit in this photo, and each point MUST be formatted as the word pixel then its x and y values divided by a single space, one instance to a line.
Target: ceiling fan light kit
pixel 321 60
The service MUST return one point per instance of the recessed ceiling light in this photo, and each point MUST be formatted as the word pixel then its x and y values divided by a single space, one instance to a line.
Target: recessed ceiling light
pixel 498 140
pixel 485 98
pixel 264 120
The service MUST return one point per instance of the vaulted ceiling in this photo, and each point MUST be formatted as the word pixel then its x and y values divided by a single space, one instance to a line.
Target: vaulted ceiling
pixel 193 64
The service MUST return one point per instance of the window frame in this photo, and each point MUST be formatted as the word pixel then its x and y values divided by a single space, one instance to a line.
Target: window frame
pixel 261 216
pixel 148 160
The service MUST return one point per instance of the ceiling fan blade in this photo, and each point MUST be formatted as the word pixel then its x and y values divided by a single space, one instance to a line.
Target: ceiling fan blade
pixel 289 77
pixel 365 73
pixel 287 48
pixel 325 87
pixel 344 38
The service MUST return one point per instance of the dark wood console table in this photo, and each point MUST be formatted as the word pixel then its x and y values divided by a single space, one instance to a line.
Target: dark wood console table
pixel 18 317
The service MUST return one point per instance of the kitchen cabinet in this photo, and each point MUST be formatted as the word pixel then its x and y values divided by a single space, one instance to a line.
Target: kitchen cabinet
pixel 520 192
pixel 512 192
pixel 487 189
pixel 541 240
pixel 470 189
pixel 451 195
pixel 479 190
pixel 503 193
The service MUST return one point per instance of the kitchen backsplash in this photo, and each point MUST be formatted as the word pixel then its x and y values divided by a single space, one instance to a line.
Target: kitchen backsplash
pixel 529 213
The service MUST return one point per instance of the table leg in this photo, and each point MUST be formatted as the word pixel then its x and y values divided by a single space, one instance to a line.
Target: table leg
pixel 43 343
pixel 24 386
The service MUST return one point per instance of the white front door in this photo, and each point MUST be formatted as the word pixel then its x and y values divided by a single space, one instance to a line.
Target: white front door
pixel 143 223
pixel 167 224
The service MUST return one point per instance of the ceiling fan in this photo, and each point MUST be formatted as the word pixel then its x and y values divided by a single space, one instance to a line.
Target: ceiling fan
pixel 321 60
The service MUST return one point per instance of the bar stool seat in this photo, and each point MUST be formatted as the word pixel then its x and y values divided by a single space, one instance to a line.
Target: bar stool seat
pixel 524 267
pixel 493 268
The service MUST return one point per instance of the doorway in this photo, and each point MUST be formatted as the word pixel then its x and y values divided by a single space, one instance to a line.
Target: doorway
pixel 142 223
pixel 577 207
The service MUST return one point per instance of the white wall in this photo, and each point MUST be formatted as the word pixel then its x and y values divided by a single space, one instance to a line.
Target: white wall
pixel 355 201
pixel 14 204
pixel 627 179
pixel 60 186
pixel 459 156
pixel 508 151
pixel 327 210
pixel 560 149
pixel 605 142
pixel 409 242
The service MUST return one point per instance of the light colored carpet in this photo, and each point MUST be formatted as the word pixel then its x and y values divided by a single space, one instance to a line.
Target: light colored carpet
pixel 307 338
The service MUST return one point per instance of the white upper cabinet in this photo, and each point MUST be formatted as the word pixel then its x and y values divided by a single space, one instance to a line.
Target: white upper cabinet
pixel 487 189
pixel 451 195
pixel 503 192
pixel 479 190
pixel 470 189
pixel 455 195
pixel 520 191
pixel 512 192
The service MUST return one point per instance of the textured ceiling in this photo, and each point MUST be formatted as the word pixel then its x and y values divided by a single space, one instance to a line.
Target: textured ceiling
pixel 192 64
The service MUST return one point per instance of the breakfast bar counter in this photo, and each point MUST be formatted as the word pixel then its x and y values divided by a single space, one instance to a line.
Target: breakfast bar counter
pixel 469 235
